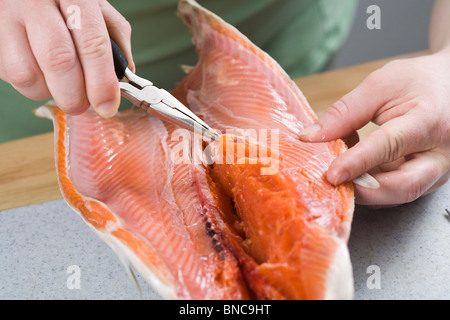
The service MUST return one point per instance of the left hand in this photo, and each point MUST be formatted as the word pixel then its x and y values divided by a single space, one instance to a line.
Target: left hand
pixel 409 154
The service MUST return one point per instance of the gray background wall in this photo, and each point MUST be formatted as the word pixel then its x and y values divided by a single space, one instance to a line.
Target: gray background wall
pixel 404 28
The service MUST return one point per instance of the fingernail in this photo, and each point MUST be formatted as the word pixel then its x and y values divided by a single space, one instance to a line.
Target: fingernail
pixel 106 109
pixel 314 128
pixel 367 181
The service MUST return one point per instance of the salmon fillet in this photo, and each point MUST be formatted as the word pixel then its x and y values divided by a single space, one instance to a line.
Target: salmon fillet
pixel 258 220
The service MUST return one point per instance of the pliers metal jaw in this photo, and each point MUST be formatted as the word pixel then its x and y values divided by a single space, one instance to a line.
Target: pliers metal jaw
pixel 160 103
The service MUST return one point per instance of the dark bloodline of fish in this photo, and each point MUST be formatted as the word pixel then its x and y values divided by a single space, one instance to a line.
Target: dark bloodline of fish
pixel 208 225
pixel 210 232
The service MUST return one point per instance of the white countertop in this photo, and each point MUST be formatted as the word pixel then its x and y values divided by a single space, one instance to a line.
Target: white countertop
pixel 408 247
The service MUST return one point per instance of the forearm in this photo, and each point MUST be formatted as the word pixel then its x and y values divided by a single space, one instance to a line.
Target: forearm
pixel 439 33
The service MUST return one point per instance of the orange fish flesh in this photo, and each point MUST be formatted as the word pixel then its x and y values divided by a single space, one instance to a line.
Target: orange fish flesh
pixel 258 220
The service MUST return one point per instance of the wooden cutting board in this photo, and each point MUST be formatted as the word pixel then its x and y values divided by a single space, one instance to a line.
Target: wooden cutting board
pixel 27 171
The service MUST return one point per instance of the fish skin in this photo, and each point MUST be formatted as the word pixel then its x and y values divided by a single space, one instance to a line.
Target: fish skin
pixel 222 231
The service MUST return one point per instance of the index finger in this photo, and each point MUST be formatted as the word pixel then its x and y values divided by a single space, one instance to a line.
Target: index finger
pixel 350 113
pixel 94 50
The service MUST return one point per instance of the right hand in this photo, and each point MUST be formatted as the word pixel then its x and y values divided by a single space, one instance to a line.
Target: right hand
pixel 41 57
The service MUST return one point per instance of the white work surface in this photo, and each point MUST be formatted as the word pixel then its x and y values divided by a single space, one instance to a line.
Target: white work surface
pixel 38 244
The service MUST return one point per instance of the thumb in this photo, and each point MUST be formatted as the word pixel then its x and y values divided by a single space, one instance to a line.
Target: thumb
pixel 348 114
